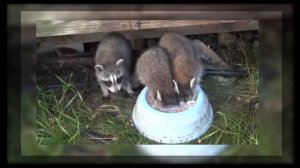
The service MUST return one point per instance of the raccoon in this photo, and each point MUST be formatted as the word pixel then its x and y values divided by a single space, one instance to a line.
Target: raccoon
pixel 153 70
pixel 186 69
pixel 113 60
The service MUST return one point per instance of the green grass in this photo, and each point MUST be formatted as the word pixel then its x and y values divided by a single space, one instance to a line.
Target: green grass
pixel 64 114
pixel 235 120
pixel 60 116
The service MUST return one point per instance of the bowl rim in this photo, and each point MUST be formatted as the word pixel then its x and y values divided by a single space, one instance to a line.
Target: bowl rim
pixel 142 101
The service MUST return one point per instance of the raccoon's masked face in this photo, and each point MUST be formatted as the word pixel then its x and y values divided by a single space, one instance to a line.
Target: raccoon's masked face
pixel 170 100
pixel 111 77
pixel 188 92
pixel 167 99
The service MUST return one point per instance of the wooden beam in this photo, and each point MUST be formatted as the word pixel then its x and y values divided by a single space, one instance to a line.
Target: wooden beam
pixel 62 27
pixel 153 29
pixel 161 12
pixel 45 28
pixel 64 60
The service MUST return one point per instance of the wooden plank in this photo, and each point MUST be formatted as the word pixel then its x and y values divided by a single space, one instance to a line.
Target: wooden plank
pixel 64 60
pixel 61 27
pixel 45 28
pixel 209 13
pixel 205 28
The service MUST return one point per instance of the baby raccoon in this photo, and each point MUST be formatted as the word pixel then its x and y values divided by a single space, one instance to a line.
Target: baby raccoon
pixel 113 59
pixel 153 70
pixel 185 67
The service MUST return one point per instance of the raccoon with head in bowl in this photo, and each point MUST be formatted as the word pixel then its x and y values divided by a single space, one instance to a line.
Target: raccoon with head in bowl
pixel 186 69
pixel 153 71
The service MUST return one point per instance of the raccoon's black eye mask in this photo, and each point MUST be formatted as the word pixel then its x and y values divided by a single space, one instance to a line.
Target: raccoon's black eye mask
pixel 119 79
pixel 107 83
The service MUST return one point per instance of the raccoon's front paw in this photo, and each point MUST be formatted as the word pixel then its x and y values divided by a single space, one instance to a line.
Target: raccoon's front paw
pixel 131 93
pixel 106 98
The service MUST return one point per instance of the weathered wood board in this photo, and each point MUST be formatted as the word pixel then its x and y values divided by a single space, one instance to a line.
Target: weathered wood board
pixel 63 31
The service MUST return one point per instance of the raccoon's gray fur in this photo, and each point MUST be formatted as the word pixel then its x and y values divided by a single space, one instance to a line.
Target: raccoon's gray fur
pixel 153 70
pixel 185 67
pixel 113 59
pixel 200 53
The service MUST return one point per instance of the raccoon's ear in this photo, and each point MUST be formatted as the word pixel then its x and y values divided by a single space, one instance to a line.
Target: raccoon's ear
pixel 176 87
pixel 99 68
pixel 119 62
pixel 158 96
pixel 192 83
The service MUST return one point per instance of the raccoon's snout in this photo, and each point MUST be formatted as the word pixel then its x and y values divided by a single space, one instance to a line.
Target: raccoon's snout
pixel 185 97
pixel 114 89
pixel 172 101
pixel 190 97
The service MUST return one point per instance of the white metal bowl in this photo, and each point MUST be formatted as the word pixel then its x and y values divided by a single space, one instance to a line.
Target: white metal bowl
pixel 182 153
pixel 177 127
